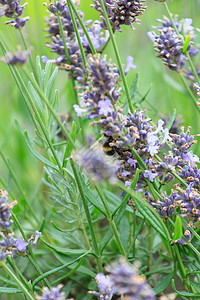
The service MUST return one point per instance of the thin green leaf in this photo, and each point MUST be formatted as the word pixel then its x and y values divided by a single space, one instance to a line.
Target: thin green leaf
pixel 39 70
pixel 186 44
pixel 69 273
pixel 37 154
pixel 143 208
pixel 171 120
pixel 65 251
pixel 51 81
pixel 182 293
pixel 134 88
pixel 57 269
pixel 69 147
pixel 5 290
pixel 126 197
pixel 56 99
pixel 109 233
pixel 163 284
pixel 145 96
pixel 35 96
pixel 178 230
pixel 124 231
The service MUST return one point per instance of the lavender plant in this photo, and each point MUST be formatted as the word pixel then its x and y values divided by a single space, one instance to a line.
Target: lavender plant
pixel 115 184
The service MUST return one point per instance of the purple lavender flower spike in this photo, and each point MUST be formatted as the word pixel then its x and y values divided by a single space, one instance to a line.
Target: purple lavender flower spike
pixel 169 45
pixel 19 58
pixel 121 12
pixel 7 242
pixel 12 9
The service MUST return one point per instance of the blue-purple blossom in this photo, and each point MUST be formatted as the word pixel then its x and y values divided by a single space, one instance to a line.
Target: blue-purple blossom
pixel 52 294
pixel 13 10
pixel 105 107
pixel 191 158
pixel 121 12
pixel 130 64
pixel 197 88
pixel 185 239
pixel 7 241
pixel 169 45
pixel 105 290
pixel 21 245
pixel 150 175
pixel 125 281
pixel 19 58
pixel 38 234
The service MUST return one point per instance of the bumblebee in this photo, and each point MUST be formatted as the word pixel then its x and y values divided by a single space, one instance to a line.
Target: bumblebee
pixel 108 150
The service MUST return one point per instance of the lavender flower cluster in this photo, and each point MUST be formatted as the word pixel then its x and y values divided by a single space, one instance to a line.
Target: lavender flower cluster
pixel 123 132
pixel 123 280
pixel 54 293
pixel 9 245
pixel 120 12
pixel 74 61
pixel 13 9
pixel 18 58
pixel 7 238
pixel 169 43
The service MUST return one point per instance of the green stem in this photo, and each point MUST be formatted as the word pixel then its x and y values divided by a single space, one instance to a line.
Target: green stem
pixel 134 232
pixel 182 269
pixel 85 205
pixel 150 244
pixel 77 34
pixel 132 246
pixel 111 221
pixel 64 41
pixel 32 259
pixel 19 187
pixel 9 271
pixel 117 56
pixel 17 271
pixel 72 77
pixel 26 48
pixel 187 54
pixel 18 85
pixel 165 230
pixel 189 92
pixel 83 27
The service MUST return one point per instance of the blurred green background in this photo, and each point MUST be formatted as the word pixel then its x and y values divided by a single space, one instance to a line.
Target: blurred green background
pixel 166 93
